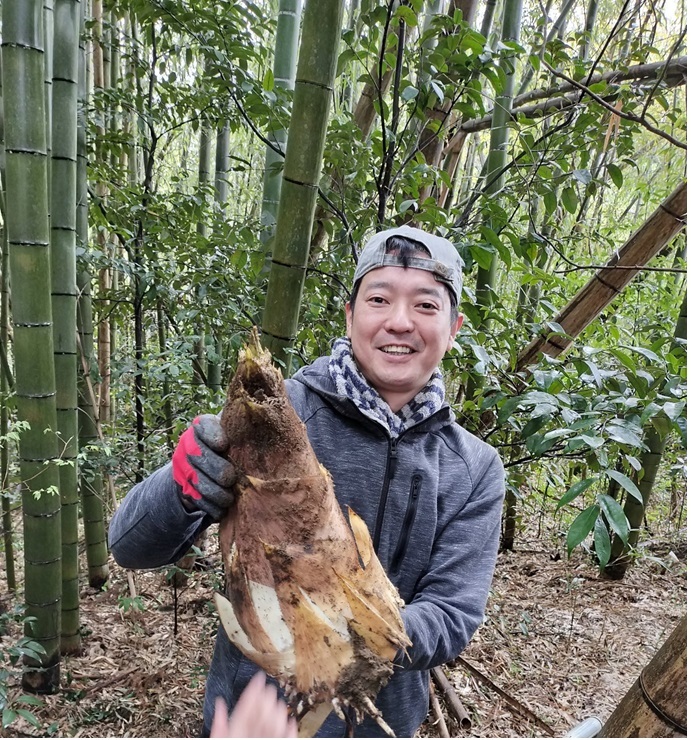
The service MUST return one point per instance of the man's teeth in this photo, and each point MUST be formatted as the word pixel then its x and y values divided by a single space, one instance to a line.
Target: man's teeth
pixel 395 350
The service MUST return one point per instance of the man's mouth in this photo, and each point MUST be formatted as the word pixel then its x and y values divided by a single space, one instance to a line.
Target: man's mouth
pixel 396 349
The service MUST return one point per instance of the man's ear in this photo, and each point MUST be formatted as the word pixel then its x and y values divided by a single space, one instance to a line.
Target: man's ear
pixel 455 328
pixel 349 318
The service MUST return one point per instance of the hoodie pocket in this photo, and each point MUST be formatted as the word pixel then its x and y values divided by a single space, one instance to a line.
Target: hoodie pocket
pixel 408 521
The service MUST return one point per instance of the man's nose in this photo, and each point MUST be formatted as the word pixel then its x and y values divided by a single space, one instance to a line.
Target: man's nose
pixel 399 319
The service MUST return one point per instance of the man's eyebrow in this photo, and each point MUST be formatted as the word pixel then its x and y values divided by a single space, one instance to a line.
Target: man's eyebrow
pixel 422 290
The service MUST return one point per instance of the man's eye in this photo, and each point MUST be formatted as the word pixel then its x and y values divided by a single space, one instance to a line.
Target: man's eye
pixel 376 299
pixel 428 306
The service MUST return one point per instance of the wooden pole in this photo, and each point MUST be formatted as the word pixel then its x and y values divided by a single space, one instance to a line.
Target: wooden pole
pixel 655 706
pixel 667 221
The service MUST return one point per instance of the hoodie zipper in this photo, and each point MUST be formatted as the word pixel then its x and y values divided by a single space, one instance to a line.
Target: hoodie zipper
pixel 391 460
pixel 408 521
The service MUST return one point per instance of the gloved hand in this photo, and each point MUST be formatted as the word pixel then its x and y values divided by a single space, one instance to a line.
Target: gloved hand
pixel 205 477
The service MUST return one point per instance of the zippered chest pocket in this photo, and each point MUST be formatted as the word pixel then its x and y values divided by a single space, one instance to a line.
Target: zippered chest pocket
pixel 408 521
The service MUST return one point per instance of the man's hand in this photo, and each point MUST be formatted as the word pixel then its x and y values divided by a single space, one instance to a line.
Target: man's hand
pixel 205 477
pixel 258 713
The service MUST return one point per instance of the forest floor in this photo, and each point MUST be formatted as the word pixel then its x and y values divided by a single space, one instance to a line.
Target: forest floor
pixel 559 644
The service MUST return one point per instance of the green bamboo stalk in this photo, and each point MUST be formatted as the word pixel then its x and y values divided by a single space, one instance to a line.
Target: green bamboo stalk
pixel 90 476
pixel 285 58
pixel 301 172
pixel 590 18
pixel 499 137
pixel 48 26
pixel 64 299
pixel 28 235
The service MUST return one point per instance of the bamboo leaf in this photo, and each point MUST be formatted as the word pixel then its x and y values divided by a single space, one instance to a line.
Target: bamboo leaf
pixel 8 717
pixel 576 490
pixel 615 515
pixel 582 526
pixel 626 483
pixel 602 542
pixel 616 175
pixel 409 93
pixel 674 410
pixel 569 198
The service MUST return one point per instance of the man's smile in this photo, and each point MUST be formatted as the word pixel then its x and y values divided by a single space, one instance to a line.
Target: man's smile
pixel 396 349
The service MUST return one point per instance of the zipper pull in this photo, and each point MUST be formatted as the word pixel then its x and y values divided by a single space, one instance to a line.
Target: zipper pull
pixel 393 458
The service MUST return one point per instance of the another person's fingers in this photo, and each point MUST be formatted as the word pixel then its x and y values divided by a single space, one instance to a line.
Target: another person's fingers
pixel 219 725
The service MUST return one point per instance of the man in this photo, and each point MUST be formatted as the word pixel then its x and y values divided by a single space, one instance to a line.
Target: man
pixel 430 493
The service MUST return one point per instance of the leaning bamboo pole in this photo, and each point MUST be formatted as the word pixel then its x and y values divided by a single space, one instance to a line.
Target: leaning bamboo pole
pixel 609 281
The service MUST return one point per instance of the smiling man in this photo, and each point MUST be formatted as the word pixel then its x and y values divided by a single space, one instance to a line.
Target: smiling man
pixel 376 415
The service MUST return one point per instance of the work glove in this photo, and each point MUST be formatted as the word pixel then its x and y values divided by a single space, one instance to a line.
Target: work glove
pixel 205 477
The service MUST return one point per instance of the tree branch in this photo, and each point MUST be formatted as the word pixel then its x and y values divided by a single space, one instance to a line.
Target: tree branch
pixel 612 109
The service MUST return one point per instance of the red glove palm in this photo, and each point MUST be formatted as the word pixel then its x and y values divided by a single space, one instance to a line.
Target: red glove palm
pixel 205 477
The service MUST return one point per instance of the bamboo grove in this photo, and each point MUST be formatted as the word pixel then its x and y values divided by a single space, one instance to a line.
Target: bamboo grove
pixel 149 222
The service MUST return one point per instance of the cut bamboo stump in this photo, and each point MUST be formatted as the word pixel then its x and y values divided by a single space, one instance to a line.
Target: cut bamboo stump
pixel 655 706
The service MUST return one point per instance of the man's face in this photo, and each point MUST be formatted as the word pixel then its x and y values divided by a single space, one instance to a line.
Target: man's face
pixel 400 330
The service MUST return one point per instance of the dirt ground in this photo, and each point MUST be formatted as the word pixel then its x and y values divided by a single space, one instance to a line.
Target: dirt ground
pixel 559 644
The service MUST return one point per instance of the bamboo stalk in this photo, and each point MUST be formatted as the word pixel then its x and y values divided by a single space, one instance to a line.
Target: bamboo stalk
pixel 455 704
pixel 437 713
pixel 607 283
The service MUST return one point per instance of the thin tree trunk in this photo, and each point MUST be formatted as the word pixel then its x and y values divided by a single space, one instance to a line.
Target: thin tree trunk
pixel 7 527
pixel 90 475
pixel 306 137
pixel 163 348
pixel 215 357
pixel 664 224
pixel 64 299
pixel 104 278
pixel 29 235
pixel 204 178
pixel 590 18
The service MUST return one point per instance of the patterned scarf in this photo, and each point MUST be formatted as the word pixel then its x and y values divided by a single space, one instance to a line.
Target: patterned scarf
pixel 351 383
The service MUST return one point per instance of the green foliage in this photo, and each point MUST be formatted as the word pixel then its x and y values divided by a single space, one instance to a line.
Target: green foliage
pixel 13 704
pixel 578 182
pixel 131 604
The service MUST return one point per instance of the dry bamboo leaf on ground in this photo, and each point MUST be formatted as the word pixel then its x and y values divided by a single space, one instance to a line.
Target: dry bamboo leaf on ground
pixel 308 600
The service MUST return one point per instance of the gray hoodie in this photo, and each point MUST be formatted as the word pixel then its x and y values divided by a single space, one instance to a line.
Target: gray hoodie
pixel 432 500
